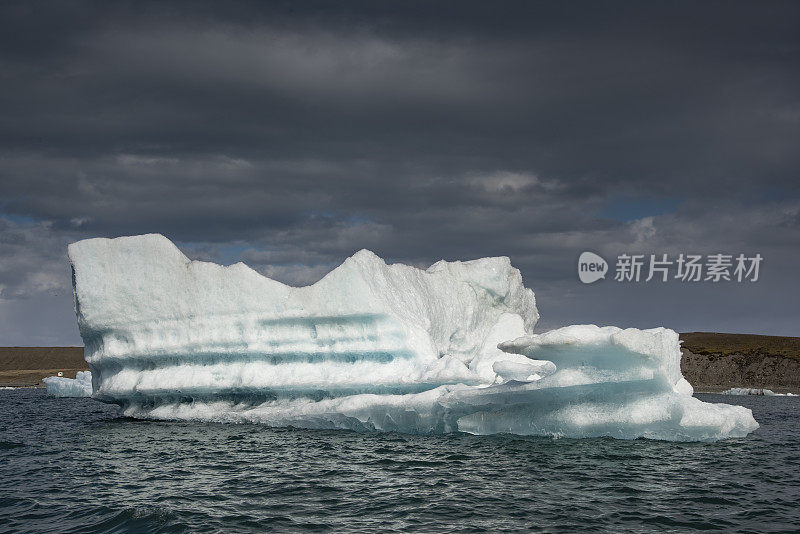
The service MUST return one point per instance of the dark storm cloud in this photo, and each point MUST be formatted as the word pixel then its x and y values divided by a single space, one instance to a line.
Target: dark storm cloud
pixel 289 135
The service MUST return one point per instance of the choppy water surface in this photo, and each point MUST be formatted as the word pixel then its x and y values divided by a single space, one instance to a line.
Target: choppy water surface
pixel 74 465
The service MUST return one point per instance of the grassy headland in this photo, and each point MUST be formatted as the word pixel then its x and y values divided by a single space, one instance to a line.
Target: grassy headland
pixel 717 344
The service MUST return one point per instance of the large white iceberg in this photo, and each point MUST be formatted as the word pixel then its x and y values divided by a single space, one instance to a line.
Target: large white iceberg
pixel 371 346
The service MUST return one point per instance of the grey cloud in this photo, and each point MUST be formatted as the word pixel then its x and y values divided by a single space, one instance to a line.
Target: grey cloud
pixel 32 261
pixel 289 136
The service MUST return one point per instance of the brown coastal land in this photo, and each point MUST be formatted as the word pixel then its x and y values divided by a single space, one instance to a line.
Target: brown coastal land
pixel 27 366
pixel 711 362
pixel 716 362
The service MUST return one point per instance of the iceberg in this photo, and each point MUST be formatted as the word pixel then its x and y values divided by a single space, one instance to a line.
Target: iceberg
pixel 756 391
pixel 370 347
pixel 80 386
pixel 749 391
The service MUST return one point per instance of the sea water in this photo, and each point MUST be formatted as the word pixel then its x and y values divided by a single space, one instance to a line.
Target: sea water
pixel 76 465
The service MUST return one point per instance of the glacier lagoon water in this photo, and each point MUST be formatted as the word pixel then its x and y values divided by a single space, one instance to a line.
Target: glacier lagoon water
pixel 75 465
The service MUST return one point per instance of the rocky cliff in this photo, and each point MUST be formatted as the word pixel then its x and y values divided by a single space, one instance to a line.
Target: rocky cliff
pixel 716 361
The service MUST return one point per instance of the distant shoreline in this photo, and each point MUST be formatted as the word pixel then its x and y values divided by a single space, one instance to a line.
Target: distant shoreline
pixel 27 366
pixel 712 362
pixel 716 362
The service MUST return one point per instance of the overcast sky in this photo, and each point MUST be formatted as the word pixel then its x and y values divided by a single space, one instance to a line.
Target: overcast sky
pixel 290 136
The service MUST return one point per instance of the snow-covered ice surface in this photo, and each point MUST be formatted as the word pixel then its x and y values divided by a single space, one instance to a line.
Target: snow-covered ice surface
pixel 371 346
pixel 80 386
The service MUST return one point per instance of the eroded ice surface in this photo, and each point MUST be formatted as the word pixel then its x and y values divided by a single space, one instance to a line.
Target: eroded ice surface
pixel 371 346
pixel 615 382
pixel 80 386
pixel 157 324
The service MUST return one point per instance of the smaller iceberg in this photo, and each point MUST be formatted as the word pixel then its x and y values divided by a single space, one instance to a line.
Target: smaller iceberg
pixel 80 386
pixel 756 391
